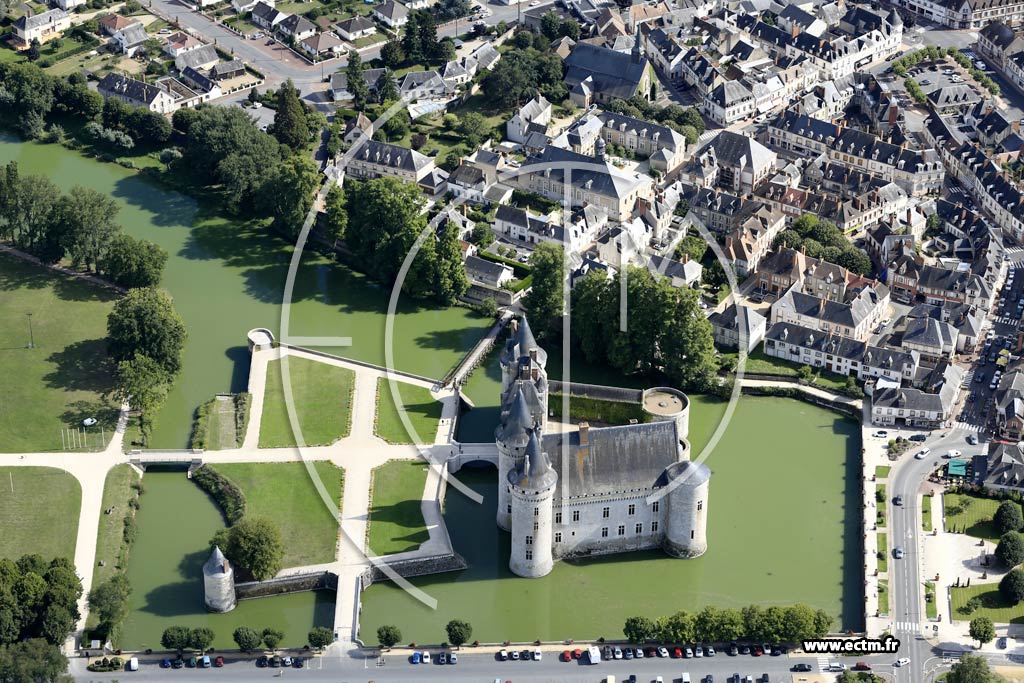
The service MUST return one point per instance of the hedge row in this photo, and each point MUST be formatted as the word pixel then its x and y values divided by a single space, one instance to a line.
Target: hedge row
pixel 242 402
pixel 201 426
pixel 521 270
pixel 228 496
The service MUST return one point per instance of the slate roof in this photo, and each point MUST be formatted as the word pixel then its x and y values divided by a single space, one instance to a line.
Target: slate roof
pixel 295 24
pixel 1005 464
pixel 727 319
pixel 393 156
pixel 621 458
pixel 610 181
pixel 355 24
pixel 201 81
pixel 487 271
pixel 845 347
pixel 614 74
pixel 197 58
pixel 130 88
pixel 391 9
pixel 28 23
pixel 735 150
pixel 222 69
pixel 134 34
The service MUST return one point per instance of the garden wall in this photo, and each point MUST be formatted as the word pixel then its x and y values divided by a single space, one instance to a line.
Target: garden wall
pixel 299 583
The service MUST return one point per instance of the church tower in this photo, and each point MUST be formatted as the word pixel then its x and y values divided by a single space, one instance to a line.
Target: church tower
pixel 524 407
pixel 532 493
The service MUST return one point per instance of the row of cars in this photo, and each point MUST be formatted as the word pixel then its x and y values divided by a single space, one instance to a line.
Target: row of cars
pixel 277 661
pixel 426 658
pixel 202 662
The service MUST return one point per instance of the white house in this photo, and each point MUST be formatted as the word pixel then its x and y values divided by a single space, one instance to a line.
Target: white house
pixel 354 28
pixel 42 27
pixel 391 13
pixel 265 16
pixel 131 39
pixel 534 115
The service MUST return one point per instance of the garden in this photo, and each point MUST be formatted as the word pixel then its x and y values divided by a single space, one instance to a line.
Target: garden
pixel 322 395
pixel 418 404
pixel 396 518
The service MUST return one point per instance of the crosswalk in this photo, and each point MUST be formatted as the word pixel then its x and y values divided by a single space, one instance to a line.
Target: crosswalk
pixel 970 422
pixel 1014 250
pixel 822 664
pixel 906 626
pixel 1010 320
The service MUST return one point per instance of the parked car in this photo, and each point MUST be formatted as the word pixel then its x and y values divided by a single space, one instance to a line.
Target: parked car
pixel 687 652
pixel 862 666
pixel 514 655
pixel 165 663
pixel 219 662
pixel 298 662
pixel 733 649
pixel 442 658
pixel 286 661
pixel 897 500
pixel 709 651
pixel 880 434
pixel 919 437
pixel 801 667
pixel 662 652
pixel 503 655
pixel 537 654
pixel 676 653
pixel 617 652
pixel 638 653
pixel 177 663
pixel 953 453
pixel 453 658
pixel 417 658
pixel 1001 643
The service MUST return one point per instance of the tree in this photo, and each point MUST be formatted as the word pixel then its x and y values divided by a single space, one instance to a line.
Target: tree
pixel 288 193
pixel 805 373
pixel 320 637
pixel 411 40
pixel 1010 551
pixel 545 302
pixel 145 323
pixel 290 127
pixel 133 263
pixel 426 34
pixel 109 600
pixel 1011 586
pixel 56 623
pixel 143 383
pixel 450 281
pixel 459 632
pixel 32 661
pixel 982 630
pixel 335 215
pixel 550 24
pixel 970 669
pixel 1008 517
pixel 255 544
pixel 175 638
pixel 639 629
pixel 356 82
pixel 247 639
pixel 388 635
pixel 392 54
pixel 200 638
pixel 692 246
pixel 385 220
pixel 272 638
pixel 446 50
pixel 387 88
pixel 474 128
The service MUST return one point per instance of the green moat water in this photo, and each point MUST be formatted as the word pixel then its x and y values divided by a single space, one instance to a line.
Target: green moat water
pixel 228 276
pixel 176 522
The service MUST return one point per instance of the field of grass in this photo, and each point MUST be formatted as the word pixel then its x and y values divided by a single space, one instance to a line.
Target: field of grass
pixel 993 605
pixel 39 509
pixel 882 471
pixel 117 492
pixel 971 515
pixel 285 493
pixel 423 410
pixel 883 596
pixel 926 513
pixel 396 520
pixel 58 383
pixel 931 607
pixel 323 403
pixel 883 553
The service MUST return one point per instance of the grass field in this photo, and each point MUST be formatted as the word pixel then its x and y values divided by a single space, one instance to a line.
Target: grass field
pixel 931 607
pixel 926 513
pixel 58 383
pixel 882 471
pixel 971 515
pixel 117 491
pixel 883 596
pixel 38 512
pixel 323 403
pixel 759 363
pixel 423 410
pixel 993 605
pixel 883 553
pixel 396 520
pixel 285 493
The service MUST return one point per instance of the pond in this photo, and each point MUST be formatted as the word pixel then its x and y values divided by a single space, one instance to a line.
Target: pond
pixel 783 528
pixel 227 276
pixel 175 524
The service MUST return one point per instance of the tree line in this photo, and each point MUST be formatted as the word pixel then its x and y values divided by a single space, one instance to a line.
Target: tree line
pixel 714 625
pixel 822 239
pixel 38 599
pixel 80 225
pixel 457 631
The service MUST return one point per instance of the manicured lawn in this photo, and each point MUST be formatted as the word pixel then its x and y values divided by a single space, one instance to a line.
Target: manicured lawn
pixel 931 607
pixel 423 410
pixel 58 383
pixel 882 471
pixel 971 515
pixel 286 493
pixel 396 520
pixel 926 513
pixel 759 363
pixel 38 512
pixel 117 492
pixel 993 605
pixel 883 596
pixel 883 553
pixel 323 403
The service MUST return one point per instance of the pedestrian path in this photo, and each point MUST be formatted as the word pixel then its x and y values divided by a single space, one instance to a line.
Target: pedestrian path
pixel 906 627
pixel 822 664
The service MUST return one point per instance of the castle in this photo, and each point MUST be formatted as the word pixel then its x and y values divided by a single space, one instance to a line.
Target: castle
pixel 595 490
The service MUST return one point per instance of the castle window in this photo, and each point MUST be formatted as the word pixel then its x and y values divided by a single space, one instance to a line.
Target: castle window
pixel 639 529
pixel 632 509
pixel 691 534
pixel 529 554
pixel 536 512
pixel 654 527
pixel 700 505
pixel 655 505
pixel 604 532
pixel 606 513
pixel 575 515
pixel 558 537
pixel 558 518
pixel 510 509
pixel 622 530
pixel 529 540
pixel 536 525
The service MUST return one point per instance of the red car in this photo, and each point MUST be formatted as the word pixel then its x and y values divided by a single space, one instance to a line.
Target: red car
pixel 566 656
pixel 218 662
pixel 862 666
pixel 576 654
pixel 758 651
pixel 677 653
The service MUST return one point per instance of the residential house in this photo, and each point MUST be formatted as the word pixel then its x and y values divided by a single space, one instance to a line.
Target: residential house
pixel 266 16
pixel 222 71
pixel 112 23
pixel 203 57
pixel 855 317
pixel 138 93
pixel 391 13
pixel 206 86
pixel 839 354
pixel 296 27
pixel 532 116
pixel 1009 405
pixel 488 273
pixel 376 159
pixel 354 28
pixel 180 42
pixel 325 43
pixel 131 39
pixel 42 27
pixel 738 323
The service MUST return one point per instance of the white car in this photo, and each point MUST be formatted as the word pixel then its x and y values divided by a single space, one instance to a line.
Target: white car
pixel 426 658
pixel 89 421
pixel 537 655
pixel 617 653
pixel 902 661
pixel 503 655
pixel 662 652
pixel 953 454
pixel 698 651
pixel 920 455
pixel 881 434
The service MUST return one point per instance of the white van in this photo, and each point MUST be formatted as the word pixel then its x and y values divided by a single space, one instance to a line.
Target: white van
pixel 133 664
pixel 686 677
pixel 836 666
pixel 609 679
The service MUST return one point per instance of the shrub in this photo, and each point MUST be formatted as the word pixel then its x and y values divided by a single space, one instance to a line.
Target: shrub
pixel 228 496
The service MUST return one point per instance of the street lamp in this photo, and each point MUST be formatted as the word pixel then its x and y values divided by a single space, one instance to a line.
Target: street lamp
pixel 31 336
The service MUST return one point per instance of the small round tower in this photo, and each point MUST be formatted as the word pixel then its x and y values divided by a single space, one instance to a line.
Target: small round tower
pixel 665 404
pixel 687 517
pixel 532 492
pixel 219 582
pixel 511 438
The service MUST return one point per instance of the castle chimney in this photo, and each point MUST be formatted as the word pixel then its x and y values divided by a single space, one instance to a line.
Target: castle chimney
pixel 533 355
pixel 584 433
pixel 535 374
pixel 686 257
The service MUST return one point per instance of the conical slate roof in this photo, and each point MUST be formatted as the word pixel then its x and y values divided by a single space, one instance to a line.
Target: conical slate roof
pixel 519 419
pixel 535 472
pixel 522 342
pixel 217 562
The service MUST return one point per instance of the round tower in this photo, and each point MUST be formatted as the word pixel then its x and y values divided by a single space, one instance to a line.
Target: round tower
pixel 665 404
pixel 532 492
pixel 219 582
pixel 687 516
pixel 511 438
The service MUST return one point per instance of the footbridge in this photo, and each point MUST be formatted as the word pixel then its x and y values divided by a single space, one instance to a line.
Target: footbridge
pixel 457 375
pixel 463 453
pixel 190 459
